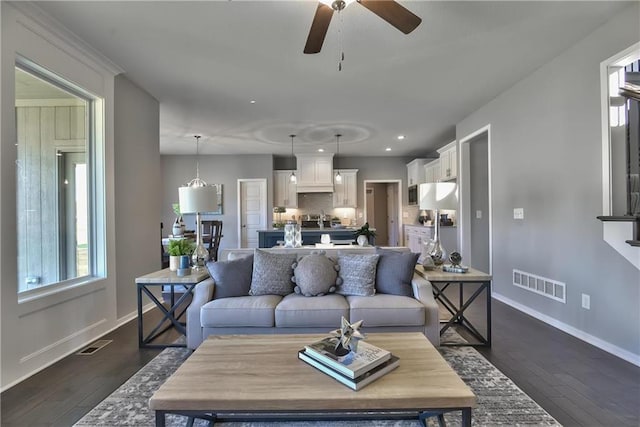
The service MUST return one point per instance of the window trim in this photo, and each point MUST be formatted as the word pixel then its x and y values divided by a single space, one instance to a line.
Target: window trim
pixel 95 125
pixel 621 58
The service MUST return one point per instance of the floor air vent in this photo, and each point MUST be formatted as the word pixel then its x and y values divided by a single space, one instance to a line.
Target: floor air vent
pixel 93 347
pixel 540 285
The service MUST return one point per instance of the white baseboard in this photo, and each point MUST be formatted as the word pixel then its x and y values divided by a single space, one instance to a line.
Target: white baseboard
pixel 595 341
pixel 119 322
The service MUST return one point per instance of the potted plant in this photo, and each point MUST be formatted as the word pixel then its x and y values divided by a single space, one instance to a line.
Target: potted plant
pixel 363 234
pixel 178 248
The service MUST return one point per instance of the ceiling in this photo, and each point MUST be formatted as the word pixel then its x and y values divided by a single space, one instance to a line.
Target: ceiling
pixel 205 61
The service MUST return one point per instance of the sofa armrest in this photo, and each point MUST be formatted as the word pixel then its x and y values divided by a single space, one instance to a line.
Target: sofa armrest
pixel 202 294
pixel 423 292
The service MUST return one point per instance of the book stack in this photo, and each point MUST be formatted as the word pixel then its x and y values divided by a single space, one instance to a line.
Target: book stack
pixel 355 369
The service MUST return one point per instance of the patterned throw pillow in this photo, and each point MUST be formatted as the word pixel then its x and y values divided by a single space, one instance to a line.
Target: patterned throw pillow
pixel 358 274
pixel 395 271
pixel 233 278
pixel 272 273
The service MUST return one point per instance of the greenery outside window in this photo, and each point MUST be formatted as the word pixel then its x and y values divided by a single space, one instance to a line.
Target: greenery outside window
pixel 55 167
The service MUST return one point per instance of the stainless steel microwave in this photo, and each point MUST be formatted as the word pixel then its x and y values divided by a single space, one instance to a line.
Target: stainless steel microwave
pixel 413 195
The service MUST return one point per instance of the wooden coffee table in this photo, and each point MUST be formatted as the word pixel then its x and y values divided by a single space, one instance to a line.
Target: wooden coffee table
pixel 260 376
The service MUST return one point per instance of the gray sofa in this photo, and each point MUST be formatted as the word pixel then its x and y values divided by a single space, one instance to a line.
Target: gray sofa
pixel 295 313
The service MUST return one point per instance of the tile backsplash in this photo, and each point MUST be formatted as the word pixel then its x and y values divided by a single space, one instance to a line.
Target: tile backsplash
pixel 315 203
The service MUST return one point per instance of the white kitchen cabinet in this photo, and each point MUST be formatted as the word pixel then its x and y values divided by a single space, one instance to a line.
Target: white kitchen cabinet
pixel 448 161
pixel 432 171
pixel 415 235
pixel 345 193
pixel 284 191
pixel 314 172
pixel 415 172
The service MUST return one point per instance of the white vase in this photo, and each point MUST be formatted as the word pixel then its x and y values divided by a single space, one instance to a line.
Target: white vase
pixel 174 263
pixel 363 240
pixel 177 229
pixel 289 235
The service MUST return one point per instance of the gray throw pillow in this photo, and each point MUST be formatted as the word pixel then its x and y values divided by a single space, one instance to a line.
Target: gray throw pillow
pixel 233 278
pixel 272 273
pixel 315 275
pixel 358 274
pixel 395 271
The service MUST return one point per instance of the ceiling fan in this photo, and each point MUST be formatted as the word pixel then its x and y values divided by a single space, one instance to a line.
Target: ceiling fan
pixel 389 10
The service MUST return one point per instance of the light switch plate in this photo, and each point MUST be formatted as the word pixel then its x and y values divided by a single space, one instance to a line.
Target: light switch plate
pixel 478 214
pixel 586 301
pixel 518 213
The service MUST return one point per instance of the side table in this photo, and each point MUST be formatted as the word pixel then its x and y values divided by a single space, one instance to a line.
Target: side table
pixel 441 280
pixel 170 279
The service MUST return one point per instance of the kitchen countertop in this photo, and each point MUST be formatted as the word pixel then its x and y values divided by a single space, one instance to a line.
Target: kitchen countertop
pixel 324 230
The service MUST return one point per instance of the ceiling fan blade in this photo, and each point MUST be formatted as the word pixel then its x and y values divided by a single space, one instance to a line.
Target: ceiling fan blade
pixel 395 14
pixel 319 28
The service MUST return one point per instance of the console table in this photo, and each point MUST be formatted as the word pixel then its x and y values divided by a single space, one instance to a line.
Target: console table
pixel 170 279
pixel 441 280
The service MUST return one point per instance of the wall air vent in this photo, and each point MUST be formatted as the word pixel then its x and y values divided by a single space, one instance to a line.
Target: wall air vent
pixel 93 347
pixel 540 285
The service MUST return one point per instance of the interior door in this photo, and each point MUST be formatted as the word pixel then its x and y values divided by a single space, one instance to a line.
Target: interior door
pixel 392 215
pixel 253 211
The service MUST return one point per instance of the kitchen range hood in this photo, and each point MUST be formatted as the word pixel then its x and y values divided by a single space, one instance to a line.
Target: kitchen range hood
pixel 315 173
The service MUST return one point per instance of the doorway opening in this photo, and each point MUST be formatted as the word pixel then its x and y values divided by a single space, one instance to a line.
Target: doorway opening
pixel 475 200
pixel 383 209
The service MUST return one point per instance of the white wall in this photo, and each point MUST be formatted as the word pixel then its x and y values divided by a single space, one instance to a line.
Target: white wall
pixel 138 195
pixel 546 158
pixel 37 332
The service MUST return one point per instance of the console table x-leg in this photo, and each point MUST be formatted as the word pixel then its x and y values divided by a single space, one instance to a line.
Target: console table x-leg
pixel 441 281
pixel 170 316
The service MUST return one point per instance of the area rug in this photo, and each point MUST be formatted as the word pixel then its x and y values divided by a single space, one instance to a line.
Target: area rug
pixel 500 401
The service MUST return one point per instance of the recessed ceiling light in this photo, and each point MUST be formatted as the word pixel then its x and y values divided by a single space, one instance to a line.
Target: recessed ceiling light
pixel 253 101
pixel 400 137
pixel 320 150
pixel 387 149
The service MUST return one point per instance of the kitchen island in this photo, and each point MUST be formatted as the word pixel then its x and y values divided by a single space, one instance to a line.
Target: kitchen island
pixel 310 236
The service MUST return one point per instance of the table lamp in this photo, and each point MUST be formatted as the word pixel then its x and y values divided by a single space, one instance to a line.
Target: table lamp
pixel 197 197
pixel 436 196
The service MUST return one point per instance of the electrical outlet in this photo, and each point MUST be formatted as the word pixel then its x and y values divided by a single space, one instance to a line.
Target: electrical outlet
pixel 586 301
pixel 478 214
pixel 518 213
pixel 405 214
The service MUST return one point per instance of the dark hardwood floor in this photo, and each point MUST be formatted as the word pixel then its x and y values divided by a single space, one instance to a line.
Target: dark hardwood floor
pixel 575 382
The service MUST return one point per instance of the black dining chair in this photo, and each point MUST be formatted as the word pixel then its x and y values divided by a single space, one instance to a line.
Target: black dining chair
pixel 212 229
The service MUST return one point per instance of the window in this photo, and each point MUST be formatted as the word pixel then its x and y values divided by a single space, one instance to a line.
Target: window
pixel 621 144
pixel 55 192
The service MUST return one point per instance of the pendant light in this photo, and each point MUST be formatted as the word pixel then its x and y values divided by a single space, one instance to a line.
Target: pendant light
pixel 198 197
pixel 338 177
pixel 292 177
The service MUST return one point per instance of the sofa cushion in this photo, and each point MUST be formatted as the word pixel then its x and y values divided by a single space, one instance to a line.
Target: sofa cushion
pixel 315 274
pixel 386 310
pixel 394 272
pixel 272 273
pixel 357 273
pixel 233 278
pixel 323 311
pixel 240 311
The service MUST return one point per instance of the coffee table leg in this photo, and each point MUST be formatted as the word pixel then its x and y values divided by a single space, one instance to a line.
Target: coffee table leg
pixel 466 417
pixel 160 422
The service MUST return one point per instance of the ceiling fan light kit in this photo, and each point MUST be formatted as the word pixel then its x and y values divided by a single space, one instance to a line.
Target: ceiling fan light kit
pixel 389 10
